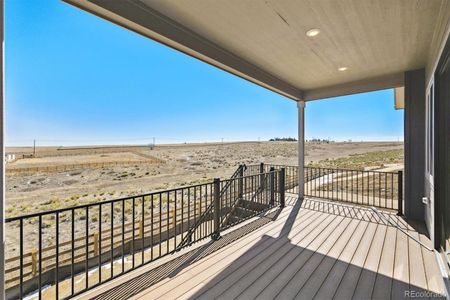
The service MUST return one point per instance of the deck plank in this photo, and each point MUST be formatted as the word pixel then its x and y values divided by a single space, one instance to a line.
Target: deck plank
pixel 289 263
pixel 351 276
pixel 320 263
pixel 272 228
pixel 383 281
pixel 198 273
pixel 417 276
pixel 366 281
pixel 306 236
pixel 243 265
pixel 336 255
pixel 432 271
pixel 331 282
pixel 316 256
pixel 281 246
pixel 325 250
pixel 400 275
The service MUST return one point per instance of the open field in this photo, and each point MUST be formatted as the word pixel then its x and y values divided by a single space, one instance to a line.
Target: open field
pixel 70 176
pixel 58 178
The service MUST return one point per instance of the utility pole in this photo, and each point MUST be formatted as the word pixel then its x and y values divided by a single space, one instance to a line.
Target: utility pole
pixel 34 148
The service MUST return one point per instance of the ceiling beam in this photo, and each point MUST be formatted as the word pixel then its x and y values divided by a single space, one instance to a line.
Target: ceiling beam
pixel 355 87
pixel 142 19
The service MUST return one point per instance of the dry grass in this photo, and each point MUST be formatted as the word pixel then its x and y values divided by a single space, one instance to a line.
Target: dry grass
pixel 363 160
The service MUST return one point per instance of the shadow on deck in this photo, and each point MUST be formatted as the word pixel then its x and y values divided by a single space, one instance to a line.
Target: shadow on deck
pixel 313 248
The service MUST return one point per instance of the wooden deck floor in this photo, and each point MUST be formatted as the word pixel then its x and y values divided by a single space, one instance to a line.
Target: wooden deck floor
pixel 314 249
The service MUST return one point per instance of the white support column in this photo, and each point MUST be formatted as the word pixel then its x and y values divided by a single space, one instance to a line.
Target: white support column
pixel 301 148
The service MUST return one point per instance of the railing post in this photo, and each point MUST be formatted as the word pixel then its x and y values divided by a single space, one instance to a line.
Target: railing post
pixel 281 186
pixel 241 182
pixel 261 177
pixel 400 193
pixel 34 262
pixel 272 185
pixel 216 234
pixel 172 217
pixel 96 242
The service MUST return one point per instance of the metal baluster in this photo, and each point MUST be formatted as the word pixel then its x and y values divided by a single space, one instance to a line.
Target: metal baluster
pixel 379 189
pixel 133 202
pixel 392 189
pixel 123 236
pixel 195 212
pixel 189 210
pixel 72 271
pixel 327 172
pixel 142 229
pixel 168 222
pixel 40 257
pixel 57 257
pixel 21 258
pixel 400 192
pixel 346 185
pixel 200 227
pixel 374 188
pixel 86 264
pixel 210 202
pixel 330 176
pixel 111 245
pixel 362 188
pixel 175 219
pixel 385 189
pixel 151 226
pixel 182 214
pixel 357 187
pixel 317 184
pixel 100 243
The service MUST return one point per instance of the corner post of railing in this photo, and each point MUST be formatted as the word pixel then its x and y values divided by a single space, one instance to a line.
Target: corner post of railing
pixel 272 185
pixel 400 193
pixel 216 234
pixel 241 182
pixel 282 187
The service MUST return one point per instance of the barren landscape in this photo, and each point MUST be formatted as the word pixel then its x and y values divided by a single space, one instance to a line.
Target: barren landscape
pixel 61 177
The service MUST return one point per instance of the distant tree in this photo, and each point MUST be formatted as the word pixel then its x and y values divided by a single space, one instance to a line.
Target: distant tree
pixel 283 139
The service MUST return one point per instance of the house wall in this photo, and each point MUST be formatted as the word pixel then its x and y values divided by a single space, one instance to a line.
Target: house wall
pixel 440 35
pixel 442 150
pixel 441 180
pixel 414 144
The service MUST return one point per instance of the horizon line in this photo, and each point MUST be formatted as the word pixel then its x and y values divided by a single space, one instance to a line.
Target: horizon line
pixel 214 142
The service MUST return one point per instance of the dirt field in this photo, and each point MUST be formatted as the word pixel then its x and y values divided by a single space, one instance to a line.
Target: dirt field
pixel 58 178
pixel 70 176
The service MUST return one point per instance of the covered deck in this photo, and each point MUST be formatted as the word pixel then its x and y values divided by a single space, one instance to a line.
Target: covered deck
pixel 310 249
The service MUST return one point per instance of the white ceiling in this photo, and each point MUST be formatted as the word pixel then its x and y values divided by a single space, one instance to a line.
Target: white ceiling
pixel 376 40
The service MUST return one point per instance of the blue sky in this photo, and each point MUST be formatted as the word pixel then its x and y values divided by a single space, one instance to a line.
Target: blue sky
pixel 72 78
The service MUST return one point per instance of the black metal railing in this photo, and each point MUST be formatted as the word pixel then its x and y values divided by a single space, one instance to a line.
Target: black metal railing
pixel 187 239
pixel 372 188
pixel 291 174
pixel 64 252
pixel 249 195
